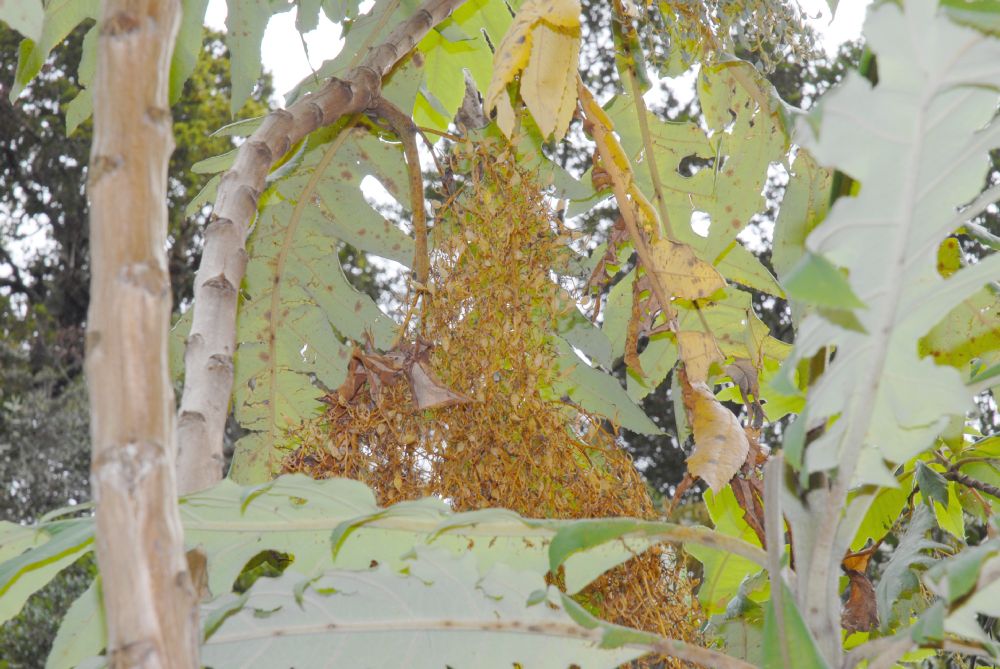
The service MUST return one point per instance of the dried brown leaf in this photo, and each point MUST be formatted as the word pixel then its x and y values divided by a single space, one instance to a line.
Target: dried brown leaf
pixel 636 324
pixel 744 375
pixel 860 612
pixel 428 392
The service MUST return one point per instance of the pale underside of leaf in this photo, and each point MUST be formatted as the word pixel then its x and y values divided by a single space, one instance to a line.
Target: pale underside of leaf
pixel 720 444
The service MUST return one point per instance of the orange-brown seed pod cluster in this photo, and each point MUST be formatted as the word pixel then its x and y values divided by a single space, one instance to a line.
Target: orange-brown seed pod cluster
pixel 482 356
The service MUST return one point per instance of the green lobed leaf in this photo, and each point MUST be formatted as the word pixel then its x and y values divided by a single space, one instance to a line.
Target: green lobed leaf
pixel 580 333
pixel 916 142
pixel 898 576
pixel 657 359
pixel 804 206
pixel 741 140
pixel 815 281
pixel 598 392
pixel 187 46
pixel 246 21
pixel 970 586
pixel 740 266
pixel 950 515
pixel 298 306
pixel 723 573
pixel 447 55
pixel 932 485
pixel 882 514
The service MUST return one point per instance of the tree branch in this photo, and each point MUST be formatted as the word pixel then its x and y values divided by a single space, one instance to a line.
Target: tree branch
pixel 952 474
pixel 208 360
pixel 406 130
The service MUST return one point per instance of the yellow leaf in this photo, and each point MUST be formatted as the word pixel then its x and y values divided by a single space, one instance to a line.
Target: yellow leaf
pixel 562 13
pixel 547 32
pixel 682 272
pixel 505 115
pixel 548 85
pixel 510 58
pixel 698 351
pixel 720 445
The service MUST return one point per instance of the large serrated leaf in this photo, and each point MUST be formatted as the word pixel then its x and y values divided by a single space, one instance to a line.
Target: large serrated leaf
pixel 246 21
pixel 917 142
pixel 298 306
pixel 336 523
pixel 439 612
pixel 729 161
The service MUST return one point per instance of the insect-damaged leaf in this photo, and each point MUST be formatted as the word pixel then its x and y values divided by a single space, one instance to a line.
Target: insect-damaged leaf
pixel 544 43
pixel 720 445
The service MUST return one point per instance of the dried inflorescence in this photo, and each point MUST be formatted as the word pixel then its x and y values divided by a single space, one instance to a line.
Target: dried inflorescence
pixel 473 418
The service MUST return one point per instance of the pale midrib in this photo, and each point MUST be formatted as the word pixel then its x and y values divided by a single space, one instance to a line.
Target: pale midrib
pixel 825 560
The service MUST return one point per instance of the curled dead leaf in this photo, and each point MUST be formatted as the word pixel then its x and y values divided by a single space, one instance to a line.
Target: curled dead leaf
pixel 408 360
pixel 744 375
pixel 860 612
pixel 720 445
pixel 428 392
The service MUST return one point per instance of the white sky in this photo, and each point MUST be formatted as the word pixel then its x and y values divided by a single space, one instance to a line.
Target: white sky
pixel 283 54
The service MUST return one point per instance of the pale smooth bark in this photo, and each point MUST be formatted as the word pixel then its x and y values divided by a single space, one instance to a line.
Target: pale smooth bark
pixel 148 594
pixel 208 359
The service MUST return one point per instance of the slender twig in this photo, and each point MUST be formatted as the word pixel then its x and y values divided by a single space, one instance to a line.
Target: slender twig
pixel 406 130
pixel 627 206
pixel 649 151
pixel 952 474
